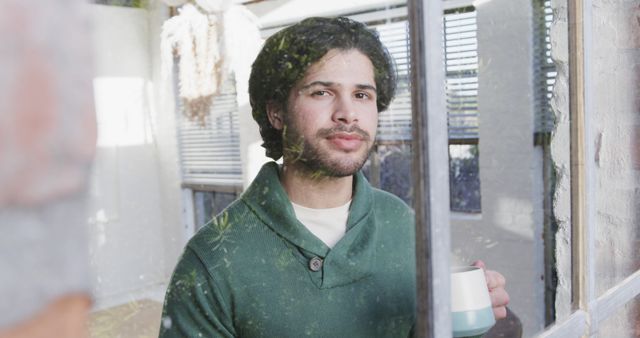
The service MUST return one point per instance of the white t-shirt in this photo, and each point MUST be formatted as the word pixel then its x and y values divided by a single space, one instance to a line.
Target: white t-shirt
pixel 329 225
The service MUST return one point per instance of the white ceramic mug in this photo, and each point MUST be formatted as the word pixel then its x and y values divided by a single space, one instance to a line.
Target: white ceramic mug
pixel 472 314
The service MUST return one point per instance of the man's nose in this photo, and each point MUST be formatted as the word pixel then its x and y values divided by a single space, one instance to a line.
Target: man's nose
pixel 345 110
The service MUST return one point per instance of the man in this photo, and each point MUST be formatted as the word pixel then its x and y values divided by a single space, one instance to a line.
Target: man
pixel 310 248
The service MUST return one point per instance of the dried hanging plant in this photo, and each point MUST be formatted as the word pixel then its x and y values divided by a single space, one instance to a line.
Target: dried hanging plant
pixel 195 34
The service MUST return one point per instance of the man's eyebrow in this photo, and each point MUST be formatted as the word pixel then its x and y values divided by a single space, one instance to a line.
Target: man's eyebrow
pixel 318 83
pixel 367 86
pixel 331 84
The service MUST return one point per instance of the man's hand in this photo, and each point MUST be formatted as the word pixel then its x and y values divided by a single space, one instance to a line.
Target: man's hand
pixel 499 296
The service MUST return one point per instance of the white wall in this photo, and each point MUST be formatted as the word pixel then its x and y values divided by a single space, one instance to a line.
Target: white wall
pixel 135 197
pixel 163 113
pixel 613 130
pixel 560 154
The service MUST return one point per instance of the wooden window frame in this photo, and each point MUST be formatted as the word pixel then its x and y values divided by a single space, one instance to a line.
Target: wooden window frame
pixel 590 311
pixel 431 195
pixel 432 221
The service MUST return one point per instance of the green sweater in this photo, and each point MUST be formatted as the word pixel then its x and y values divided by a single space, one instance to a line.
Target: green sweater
pixel 256 271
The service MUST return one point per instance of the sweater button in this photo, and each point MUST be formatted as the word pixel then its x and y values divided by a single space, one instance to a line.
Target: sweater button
pixel 315 264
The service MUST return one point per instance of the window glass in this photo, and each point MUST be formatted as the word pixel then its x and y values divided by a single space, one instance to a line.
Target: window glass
pixel 390 169
pixel 464 178
pixel 500 174
pixel 498 197
pixel 208 204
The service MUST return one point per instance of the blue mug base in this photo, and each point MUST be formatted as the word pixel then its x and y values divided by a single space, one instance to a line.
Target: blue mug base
pixel 472 323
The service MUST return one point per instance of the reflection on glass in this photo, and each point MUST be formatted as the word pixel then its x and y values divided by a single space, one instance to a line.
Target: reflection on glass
pixel 389 168
pixel 502 195
pixel 461 62
pixel 207 162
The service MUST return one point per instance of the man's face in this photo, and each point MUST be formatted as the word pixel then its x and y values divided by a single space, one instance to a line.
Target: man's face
pixel 331 117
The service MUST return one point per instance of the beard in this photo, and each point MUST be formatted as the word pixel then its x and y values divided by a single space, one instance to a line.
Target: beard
pixel 319 161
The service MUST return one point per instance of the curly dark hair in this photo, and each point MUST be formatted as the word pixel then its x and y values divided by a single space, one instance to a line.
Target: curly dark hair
pixel 286 56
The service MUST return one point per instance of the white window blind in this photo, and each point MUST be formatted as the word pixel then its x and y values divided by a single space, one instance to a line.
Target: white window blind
pixel 391 24
pixel 544 68
pixel 210 152
pixel 394 124
pixel 461 62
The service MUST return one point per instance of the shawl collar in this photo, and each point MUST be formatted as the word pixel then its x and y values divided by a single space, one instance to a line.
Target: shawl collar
pixel 351 257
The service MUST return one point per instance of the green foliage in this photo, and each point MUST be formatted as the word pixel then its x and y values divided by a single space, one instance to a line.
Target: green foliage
pixel 221 226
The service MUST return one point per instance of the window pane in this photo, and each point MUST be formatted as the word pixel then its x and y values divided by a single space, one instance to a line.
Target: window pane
pixel 499 194
pixel 207 204
pixel 396 171
pixel 464 178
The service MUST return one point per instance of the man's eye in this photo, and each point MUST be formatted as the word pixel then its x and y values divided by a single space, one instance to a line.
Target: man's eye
pixel 320 93
pixel 362 96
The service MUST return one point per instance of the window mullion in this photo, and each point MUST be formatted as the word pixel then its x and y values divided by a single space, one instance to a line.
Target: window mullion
pixel 581 242
pixel 430 171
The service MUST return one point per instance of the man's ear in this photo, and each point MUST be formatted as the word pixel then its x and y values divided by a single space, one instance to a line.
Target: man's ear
pixel 274 113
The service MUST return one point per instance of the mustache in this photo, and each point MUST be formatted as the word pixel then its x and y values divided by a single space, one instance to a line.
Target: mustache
pixel 327 132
